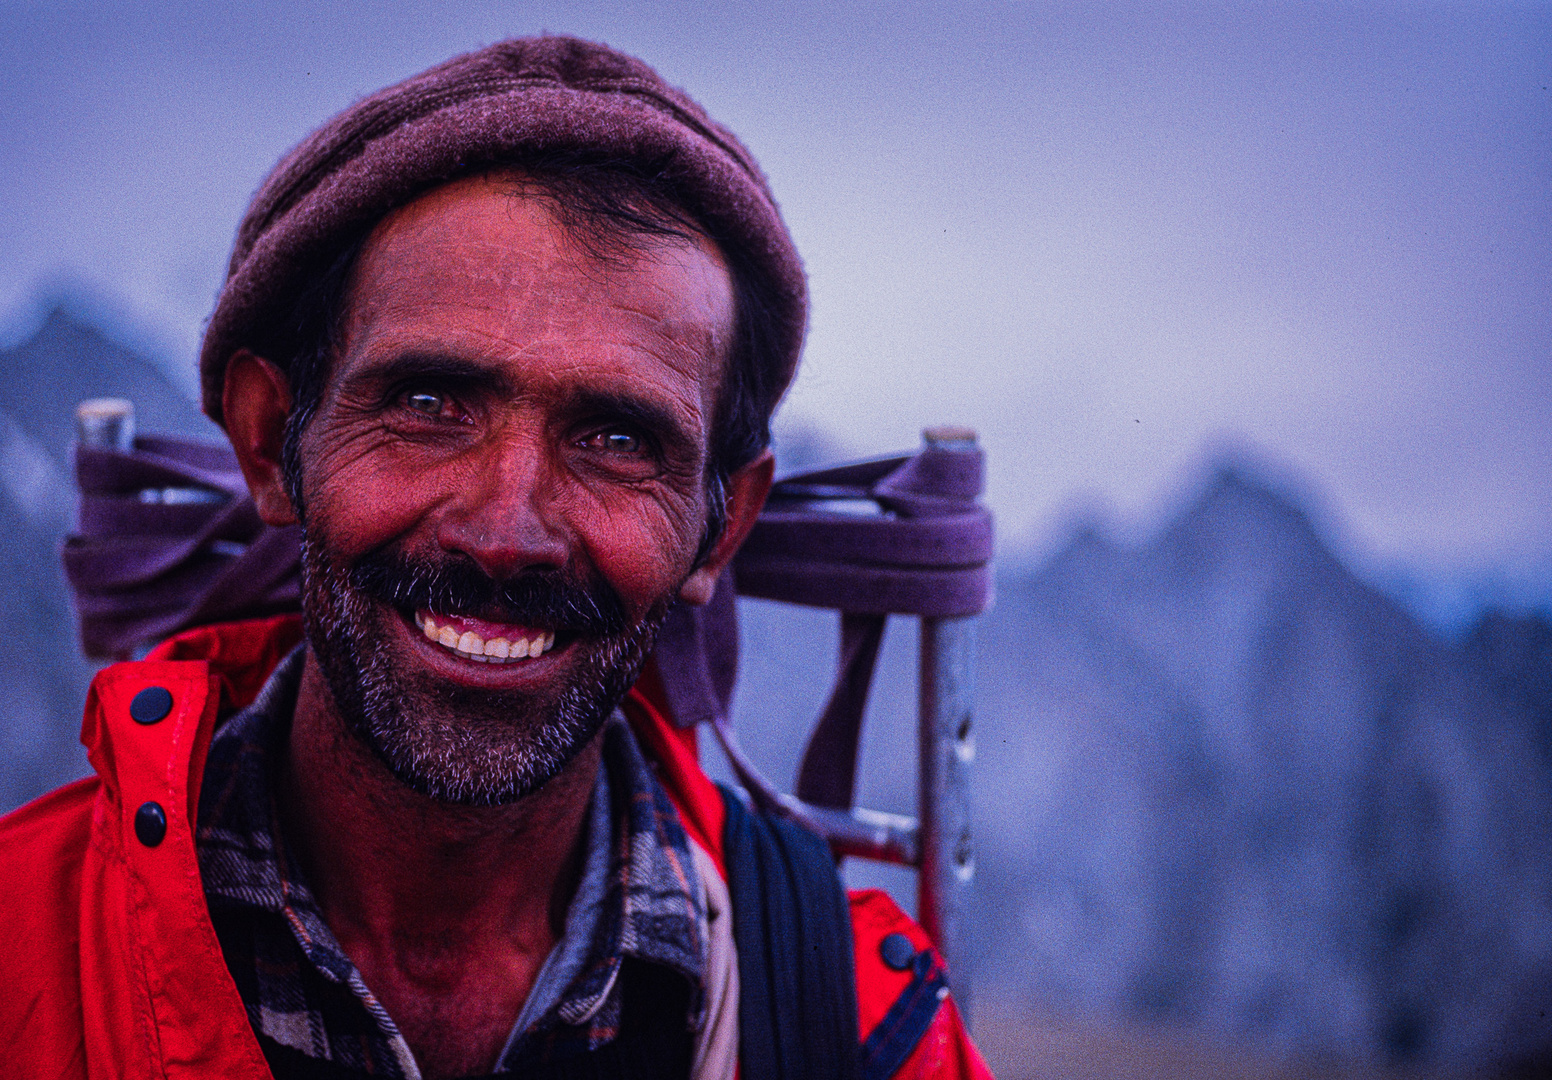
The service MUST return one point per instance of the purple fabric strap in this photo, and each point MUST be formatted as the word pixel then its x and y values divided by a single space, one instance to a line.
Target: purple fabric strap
pixel 923 550
pixel 169 539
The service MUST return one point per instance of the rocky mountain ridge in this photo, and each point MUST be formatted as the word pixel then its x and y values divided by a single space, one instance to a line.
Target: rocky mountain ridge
pixel 1249 792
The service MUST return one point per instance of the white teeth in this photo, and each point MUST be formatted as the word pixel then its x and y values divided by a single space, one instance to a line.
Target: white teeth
pixel 471 646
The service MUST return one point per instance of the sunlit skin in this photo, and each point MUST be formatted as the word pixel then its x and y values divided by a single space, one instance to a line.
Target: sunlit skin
pixel 502 396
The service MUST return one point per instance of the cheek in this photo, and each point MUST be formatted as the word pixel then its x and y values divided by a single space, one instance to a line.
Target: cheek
pixel 643 544
pixel 368 498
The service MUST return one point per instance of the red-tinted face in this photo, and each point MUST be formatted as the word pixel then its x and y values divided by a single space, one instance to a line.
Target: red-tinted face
pixel 504 481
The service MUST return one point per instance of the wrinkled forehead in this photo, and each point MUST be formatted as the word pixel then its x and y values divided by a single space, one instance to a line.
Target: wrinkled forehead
pixel 492 263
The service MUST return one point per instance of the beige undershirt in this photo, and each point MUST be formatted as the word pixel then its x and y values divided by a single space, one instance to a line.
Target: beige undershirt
pixel 716 1044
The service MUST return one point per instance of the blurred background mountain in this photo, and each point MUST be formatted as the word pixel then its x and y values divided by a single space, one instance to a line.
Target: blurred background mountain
pixel 1223 784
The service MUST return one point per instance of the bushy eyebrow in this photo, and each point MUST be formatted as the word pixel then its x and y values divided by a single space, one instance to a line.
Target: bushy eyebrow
pixel 406 366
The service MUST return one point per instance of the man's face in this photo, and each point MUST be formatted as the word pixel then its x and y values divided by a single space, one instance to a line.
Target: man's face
pixel 504 482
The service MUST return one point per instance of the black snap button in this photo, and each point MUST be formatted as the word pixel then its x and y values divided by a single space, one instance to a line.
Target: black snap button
pixel 897 951
pixel 150 705
pixel 151 824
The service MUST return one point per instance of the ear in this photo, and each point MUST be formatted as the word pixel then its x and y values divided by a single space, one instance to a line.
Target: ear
pixel 255 401
pixel 746 492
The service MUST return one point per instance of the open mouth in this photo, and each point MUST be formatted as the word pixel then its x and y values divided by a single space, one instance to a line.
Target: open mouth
pixel 487 643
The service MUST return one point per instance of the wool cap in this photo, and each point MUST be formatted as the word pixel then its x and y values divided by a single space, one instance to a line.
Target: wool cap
pixel 481 110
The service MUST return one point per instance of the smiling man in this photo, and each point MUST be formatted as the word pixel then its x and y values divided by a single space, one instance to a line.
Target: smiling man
pixel 503 343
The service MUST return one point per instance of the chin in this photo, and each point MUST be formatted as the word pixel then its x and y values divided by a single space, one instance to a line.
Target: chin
pixel 457 731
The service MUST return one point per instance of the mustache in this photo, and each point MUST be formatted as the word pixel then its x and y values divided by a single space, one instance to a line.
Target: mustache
pixel 547 599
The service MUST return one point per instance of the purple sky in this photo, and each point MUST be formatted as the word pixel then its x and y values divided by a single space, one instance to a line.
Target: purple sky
pixel 1111 240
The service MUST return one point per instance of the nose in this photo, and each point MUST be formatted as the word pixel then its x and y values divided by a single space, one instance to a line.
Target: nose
pixel 504 513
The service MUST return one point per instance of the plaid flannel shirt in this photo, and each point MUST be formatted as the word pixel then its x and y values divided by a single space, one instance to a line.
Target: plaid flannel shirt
pixel 303 992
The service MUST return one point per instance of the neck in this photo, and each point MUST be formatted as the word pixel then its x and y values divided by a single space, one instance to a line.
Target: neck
pixel 434 903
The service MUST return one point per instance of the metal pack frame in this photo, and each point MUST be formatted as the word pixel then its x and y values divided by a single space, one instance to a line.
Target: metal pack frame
pixel 895 536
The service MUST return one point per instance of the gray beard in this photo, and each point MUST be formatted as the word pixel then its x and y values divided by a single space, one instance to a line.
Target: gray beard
pixel 455 744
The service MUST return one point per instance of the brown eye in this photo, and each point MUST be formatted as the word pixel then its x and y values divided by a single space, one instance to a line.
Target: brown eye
pixel 423 402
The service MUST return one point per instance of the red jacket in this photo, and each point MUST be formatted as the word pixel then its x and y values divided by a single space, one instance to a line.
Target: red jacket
pixel 114 969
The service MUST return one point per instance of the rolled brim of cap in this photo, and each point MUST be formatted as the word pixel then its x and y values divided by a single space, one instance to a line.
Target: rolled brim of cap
pixel 484 110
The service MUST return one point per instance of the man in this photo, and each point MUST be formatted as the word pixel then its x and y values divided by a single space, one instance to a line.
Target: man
pixel 503 341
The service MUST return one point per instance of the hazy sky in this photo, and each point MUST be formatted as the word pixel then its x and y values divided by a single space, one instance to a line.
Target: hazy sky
pixel 1111 237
